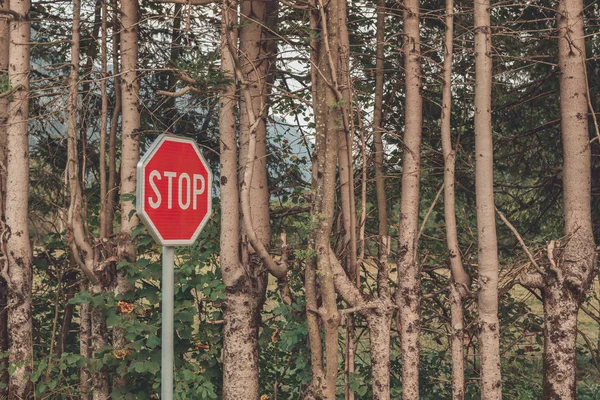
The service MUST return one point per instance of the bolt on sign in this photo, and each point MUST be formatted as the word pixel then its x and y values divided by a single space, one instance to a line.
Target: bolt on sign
pixel 174 191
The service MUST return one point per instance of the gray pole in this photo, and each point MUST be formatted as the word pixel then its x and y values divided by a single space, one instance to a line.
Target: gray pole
pixel 166 388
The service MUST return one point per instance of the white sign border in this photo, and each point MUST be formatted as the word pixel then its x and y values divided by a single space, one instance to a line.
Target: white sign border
pixel 141 212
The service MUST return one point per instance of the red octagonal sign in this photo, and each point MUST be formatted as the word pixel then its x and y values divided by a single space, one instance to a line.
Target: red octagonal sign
pixel 174 185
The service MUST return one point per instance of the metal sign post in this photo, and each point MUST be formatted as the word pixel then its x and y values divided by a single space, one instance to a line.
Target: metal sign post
pixel 166 370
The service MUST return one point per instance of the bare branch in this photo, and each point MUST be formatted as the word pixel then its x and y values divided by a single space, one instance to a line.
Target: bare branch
pixel 521 241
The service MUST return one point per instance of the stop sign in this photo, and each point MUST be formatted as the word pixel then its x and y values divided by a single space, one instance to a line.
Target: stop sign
pixel 174 185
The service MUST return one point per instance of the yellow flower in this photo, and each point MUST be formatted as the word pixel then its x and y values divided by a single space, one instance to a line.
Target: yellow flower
pixel 120 354
pixel 125 307
pixel 264 397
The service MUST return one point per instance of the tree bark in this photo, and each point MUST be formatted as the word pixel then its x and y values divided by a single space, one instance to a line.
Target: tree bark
pixel 574 266
pixel 491 383
pixel 69 290
pixel 379 333
pixel 4 44
pixel 346 180
pixel 310 274
pixel 113 185
pixel 241 321
pixel 327 119
pixel 379 155
pixel 85 350
pixel 246 289
pixel 170 105
pixel 459 289
pixel 77 234
pixel 99 335
pixel 409 286
pixel 18 246
pixel 130 152
pixel 457 340
pixel 104 222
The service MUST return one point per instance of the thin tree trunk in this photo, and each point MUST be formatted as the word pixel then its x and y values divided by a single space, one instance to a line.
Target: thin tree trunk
pixel 379 331
pixel 327 122
pixel 169 106
pixel 346 179
pixel 18 246
pixel 571 273
pixel 489 336
pixel 3 338
pixel 409 286
pixel 4 45
pixel 460 277
pixel 90 54
pixel 69 289
pixel 104 222
pixel 457 341
pixel 80 246
pixel 130 151
pixel 99 335
pixel 235 374
pixel 379 155
pixel 113 185
pixel 310 274
pixel 85 336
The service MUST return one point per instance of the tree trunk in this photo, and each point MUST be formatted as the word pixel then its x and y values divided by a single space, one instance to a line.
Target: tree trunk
pixel 246 294
pixel 573 267
pixel 170 103
pixel 346 181
pixel 18 246
pixel 240 340
pixel 69 289
pixel 409 287
pixel 460 287
pixel 310 274
pixel 113 185
pixel 4 41
pixel 130 152
pixel 491 383
pixel 379 331
pixel 379 155
pixel 85 336
pixel 99 334
pixel 327 120
pixel 104 222
pixel 457 340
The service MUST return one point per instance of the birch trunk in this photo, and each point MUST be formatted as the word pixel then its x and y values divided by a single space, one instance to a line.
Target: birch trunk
pixel 489 337
pixel 85 349
pixel 346 180
pixel 328 117
pixel 113 185
pixel 130 150
pixel 310 275
pixel 235 376
pixel 4 41
pixel 104 222
pixel 572 271
pixel 18 246
pixel 246 288
pixel 457 340
pixel 459 288
pixel 379 155
pixel 409 285
pixel 379 333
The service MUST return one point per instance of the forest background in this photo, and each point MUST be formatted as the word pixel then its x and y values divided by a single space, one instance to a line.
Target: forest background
pixel 343 137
